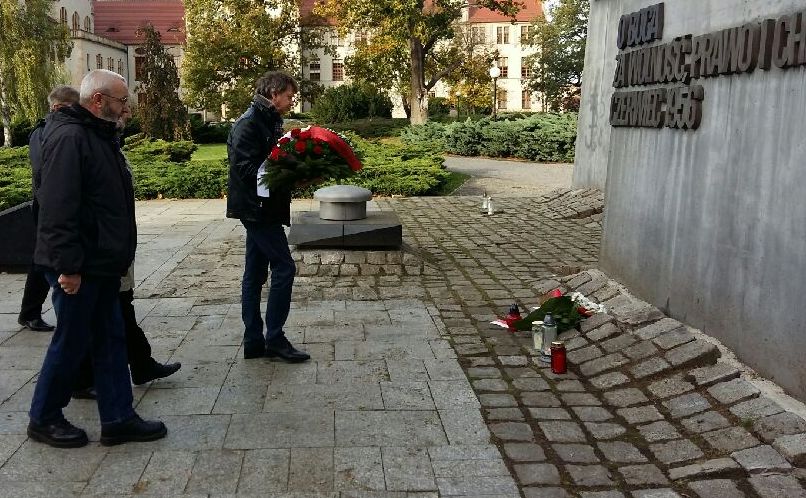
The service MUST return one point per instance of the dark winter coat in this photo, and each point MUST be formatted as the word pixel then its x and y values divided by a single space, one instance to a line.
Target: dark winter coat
pixel 252 137
pixel 86 200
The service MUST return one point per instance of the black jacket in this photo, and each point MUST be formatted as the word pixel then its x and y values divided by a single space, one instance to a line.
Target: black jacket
pixel 86 200
pixel 252 137
pixel 35 155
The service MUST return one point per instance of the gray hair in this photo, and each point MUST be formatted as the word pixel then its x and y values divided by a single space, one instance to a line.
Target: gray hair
pixel 275 82
pixel 97 81
pixel 62 94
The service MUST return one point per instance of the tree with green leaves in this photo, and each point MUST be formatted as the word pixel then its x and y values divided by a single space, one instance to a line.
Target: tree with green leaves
pixel 32 49
pixel 162 114
pixel 470 85
pixel 557 64
pixel 384 64
pixel 420 28
pixel 231 43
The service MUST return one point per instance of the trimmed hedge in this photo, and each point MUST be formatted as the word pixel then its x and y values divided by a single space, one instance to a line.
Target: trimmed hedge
pixel 349 102
pixel 15 177
pixel 389 169
pixel 188 180
pixel 539 137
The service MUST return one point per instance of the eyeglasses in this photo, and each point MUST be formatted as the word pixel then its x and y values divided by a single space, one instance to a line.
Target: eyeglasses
pixel 122 100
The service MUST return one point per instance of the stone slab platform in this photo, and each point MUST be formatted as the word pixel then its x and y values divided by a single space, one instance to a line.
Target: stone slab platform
pixel 378 229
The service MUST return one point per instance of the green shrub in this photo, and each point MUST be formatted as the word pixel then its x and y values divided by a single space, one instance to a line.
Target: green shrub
pixel 428 133
pixel 463 139
pixel 15 177
pixel 372 128
pixel 438 106
pixel 349 102
pixel 20 129
pixel 208 133
pixel 187 180
pixel 138 147
pixel 538 137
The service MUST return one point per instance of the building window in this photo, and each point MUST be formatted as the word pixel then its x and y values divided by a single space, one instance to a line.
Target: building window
pixel 314 68
pixel 502 98
pixel 63 15
pixel 478 34
pixel 338 71
pixel 336 40
pixel 76 21
pixel 120 67
pixel 99 62
pixel 110 63
pixel 88 24
pixel 502 35
pixel 503 65
pixel 361 36
pixel 526 71
pixel 526 34
pixel 526 99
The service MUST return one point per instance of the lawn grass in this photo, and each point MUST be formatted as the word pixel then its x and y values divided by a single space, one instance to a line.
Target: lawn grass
pixel 210 151
pixel 455 181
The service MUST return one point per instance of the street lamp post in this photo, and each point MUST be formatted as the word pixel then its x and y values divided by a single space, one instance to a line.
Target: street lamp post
pixel 495 72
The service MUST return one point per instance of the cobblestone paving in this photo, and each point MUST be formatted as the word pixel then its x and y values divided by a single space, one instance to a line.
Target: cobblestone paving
pixel 410 391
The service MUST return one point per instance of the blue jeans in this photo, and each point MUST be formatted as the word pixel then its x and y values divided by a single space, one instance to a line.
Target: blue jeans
pixel 266 246
pixel 88 322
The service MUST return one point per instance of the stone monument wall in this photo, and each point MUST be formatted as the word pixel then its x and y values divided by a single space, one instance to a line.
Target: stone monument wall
pixel 699 144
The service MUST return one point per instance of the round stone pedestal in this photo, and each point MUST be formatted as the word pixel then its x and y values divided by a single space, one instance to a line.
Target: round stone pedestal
pixel 342 202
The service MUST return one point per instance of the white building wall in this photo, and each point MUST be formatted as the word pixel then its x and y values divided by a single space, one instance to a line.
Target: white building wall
pixel 513 84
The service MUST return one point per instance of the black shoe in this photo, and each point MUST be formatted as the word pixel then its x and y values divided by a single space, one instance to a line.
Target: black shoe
pixel 153 371
pixel 61 434
pixel 253 352
pixel 134 429
pixel 285 351
pixel 37 325
pixel 86 393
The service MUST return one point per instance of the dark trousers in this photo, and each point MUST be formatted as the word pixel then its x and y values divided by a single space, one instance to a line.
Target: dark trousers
pixel 88 322
pixel 138 349
pixel 266 247
pixel 34 295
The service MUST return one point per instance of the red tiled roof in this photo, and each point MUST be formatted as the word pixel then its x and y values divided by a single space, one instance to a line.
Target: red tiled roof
pixel 531 10
pixel 119 20
pixel 308 18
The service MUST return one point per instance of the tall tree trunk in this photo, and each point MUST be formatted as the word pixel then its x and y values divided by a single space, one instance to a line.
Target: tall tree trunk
pixel 419 96
pixel 406 105
pixel 5 113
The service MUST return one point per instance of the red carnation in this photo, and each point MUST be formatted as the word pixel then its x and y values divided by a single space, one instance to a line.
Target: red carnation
pixel 317 150
pixel 305 135
pixel 300 146
pixel 275 154
pixel 295 132
pixel 284 140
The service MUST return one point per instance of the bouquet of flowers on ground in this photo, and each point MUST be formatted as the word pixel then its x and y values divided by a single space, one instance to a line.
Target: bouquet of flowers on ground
pixel 306 154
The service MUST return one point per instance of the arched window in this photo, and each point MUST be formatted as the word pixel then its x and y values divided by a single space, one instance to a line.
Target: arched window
pixel 88 24
pixel 63 15
pixel 76 21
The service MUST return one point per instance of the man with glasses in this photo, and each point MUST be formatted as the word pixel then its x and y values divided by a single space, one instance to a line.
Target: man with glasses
pixel 86 241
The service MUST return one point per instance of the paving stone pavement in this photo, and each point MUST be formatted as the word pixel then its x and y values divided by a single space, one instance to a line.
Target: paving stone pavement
pixel 410 391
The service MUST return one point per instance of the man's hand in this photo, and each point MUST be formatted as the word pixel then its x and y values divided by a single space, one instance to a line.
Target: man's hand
pixel 70 283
